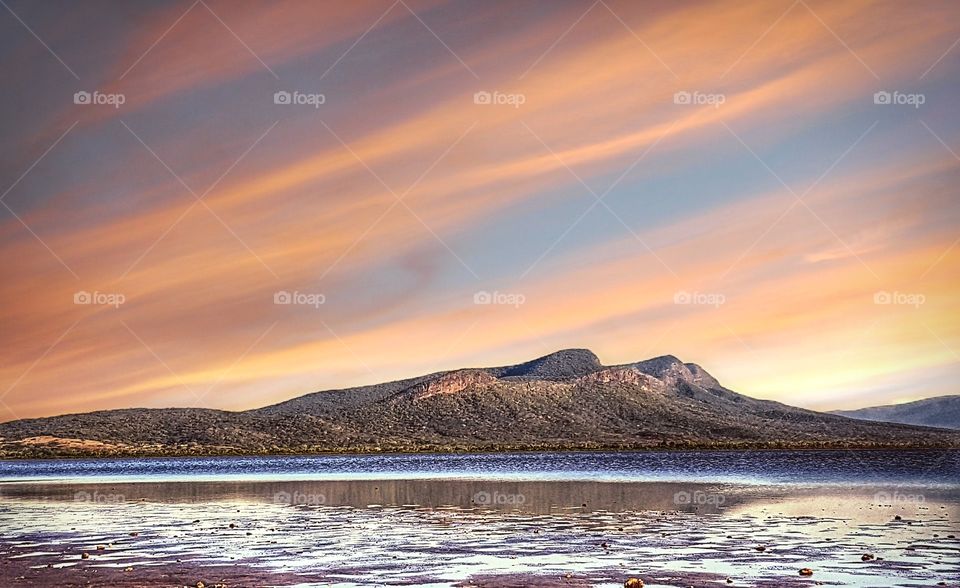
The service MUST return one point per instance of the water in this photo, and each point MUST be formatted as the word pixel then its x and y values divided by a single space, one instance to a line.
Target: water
pixel 920 468
pixel 551 519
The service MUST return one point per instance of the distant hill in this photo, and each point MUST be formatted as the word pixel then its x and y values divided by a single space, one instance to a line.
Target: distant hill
pixel 565 400
pixel 940 411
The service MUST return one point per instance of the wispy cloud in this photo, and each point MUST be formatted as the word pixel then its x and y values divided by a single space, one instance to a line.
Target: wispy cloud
pixel 776 100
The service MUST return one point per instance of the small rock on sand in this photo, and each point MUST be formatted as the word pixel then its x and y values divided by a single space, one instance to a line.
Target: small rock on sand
pixel 866 556
pixel 806 572
pixel 633 583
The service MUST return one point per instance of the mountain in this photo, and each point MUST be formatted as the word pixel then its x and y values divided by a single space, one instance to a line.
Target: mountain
pixel 565 400
pixel 940 411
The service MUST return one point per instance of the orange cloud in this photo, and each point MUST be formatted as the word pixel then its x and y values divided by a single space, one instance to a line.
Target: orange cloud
pixel 199 296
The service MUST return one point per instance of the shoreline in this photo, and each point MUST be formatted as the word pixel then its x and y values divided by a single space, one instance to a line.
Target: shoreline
pixel 519 450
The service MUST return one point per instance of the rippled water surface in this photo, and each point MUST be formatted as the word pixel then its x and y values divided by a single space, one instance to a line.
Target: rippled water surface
pixel 909 467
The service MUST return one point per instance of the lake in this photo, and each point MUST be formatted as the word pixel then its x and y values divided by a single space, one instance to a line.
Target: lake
pixel 533 519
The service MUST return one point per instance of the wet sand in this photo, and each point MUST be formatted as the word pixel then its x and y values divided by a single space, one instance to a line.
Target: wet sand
pixel 473 533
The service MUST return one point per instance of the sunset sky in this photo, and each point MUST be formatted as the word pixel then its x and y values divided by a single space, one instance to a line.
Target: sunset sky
pixel 782 229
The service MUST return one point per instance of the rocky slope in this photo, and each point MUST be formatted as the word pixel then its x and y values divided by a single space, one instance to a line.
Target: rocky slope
pixel 940 411
pixel 565 400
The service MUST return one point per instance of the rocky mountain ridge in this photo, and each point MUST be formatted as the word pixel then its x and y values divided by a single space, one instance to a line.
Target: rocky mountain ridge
pixel 566 400
pixel 939 411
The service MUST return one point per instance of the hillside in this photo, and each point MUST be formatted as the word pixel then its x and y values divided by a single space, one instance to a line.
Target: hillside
pixel 940 411
pixel 565 400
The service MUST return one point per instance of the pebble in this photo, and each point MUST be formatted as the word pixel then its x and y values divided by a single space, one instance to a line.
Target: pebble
pixel 633 583
pixel 806 572
pixel 866 557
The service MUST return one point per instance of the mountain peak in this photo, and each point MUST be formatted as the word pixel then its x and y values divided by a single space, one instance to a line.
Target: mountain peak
pixel 663 365
pixel 669 368
pixel 566 363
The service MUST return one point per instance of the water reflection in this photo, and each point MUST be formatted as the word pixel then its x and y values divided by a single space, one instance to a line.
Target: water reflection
pixel 530 497
pixel 544 497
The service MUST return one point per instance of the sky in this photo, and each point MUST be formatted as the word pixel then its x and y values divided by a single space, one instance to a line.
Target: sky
pixel 228 204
